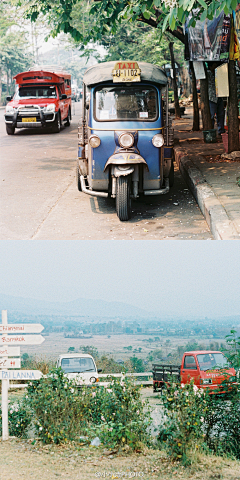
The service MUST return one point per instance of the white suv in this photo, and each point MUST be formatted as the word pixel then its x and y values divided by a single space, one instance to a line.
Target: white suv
pixel 79 367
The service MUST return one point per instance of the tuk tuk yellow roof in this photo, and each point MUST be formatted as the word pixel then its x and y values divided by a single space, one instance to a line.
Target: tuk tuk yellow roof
pixel 102 72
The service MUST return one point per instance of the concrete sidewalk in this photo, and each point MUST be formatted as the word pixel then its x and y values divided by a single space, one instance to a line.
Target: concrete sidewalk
pixel 212 180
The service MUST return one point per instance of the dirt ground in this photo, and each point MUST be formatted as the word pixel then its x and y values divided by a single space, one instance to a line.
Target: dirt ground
pixel 21 459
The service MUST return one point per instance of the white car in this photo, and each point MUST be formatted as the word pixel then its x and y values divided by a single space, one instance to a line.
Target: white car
pixel 79 367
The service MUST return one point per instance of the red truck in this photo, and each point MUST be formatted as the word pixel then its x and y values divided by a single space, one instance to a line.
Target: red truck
pixel 208 369
pixel 42 99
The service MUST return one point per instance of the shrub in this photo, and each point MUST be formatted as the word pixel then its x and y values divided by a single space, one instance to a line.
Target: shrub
pixel 58 413
pixel 19 419
pixel 120 415
pixel 184 407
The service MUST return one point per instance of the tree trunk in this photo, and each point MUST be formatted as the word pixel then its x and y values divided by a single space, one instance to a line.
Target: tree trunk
pixel 0 86
pixel 205 108
pixel 195 100
pixel 175 89
pixel 233 124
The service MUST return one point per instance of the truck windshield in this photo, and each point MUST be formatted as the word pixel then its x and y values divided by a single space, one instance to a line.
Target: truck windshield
pixel 126 103
pixel 46 91
pixel 207 361
pixel 77 365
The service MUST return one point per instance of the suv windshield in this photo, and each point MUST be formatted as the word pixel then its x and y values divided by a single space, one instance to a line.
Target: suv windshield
pixel 207 361
pixel 126 103
pixel 47 91
pixel 77 365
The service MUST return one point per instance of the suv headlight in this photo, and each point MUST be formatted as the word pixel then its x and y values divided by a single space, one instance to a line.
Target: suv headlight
pixel 10 109
pixel 49 108
pixel 93 379
pixel 158 140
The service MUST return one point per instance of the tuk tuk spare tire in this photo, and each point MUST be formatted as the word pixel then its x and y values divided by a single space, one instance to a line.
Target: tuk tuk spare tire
pixel 123 201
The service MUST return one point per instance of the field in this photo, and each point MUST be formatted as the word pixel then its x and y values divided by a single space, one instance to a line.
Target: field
pixel 56 343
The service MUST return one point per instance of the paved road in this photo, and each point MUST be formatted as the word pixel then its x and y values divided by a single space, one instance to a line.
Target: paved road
pixel 40 200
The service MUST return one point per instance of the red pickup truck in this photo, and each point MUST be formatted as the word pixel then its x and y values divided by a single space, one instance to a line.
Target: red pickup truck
pixel 42 99
pixel 208 369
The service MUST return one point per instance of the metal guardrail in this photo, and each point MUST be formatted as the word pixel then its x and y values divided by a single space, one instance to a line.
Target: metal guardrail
pixel 106 383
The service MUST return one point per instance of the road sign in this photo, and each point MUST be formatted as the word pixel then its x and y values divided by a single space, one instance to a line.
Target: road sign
pixel 21 339
pixel 7 351
pixel 21 328
pixel 10 363
pixel 20 374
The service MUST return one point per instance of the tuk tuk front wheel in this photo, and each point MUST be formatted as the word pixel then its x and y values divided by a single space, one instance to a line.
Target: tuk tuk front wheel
pixel 78 179
pixel 123 201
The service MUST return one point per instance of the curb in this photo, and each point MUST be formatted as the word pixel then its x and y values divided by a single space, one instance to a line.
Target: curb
pixel 215 214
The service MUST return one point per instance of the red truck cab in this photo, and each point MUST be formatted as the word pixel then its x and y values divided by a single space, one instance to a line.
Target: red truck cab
pixel 42 99
pixel 208 369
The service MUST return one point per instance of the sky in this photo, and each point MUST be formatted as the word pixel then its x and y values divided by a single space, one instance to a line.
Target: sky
pixel 184 277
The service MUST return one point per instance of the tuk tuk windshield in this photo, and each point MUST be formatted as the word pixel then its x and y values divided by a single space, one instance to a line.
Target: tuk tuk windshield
pixel 126 103
pixel 46 91
pixel 207 361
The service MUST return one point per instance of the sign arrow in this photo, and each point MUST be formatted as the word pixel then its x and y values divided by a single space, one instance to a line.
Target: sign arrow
pixel 21 328
pixel 9 351
pixel 10 363
pixel 21 340
pixel 20 374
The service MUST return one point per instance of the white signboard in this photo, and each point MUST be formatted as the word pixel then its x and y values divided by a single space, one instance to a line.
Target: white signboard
pixel 21 340
pixel 21 328
pixel 9 351
pixel 10 363
pixel 20 374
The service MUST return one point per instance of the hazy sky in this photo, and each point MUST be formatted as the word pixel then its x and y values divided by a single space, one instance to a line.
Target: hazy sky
pixel 182 277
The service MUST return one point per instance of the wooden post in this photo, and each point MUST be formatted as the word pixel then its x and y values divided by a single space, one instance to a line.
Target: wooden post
pixel 5 434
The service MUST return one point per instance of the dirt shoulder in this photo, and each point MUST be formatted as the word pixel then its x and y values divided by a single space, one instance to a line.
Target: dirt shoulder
pixel 21 459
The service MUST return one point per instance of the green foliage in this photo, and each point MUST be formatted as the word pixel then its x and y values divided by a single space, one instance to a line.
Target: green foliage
pixel 108 365
pixel 137 364
pixel 90 350
pixel 90 21
pixel 19 418
pixel 222 423
pixel 233 349
pixel 63 412
pixel 71 349
pixel 57 411
pixel 118 415
pixel 184 409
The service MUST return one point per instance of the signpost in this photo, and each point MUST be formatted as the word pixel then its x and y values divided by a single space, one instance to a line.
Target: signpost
pixel 21 340
pixel 8 351
pixel 10 363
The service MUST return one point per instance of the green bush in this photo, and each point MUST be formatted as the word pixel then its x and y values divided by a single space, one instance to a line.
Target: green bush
pixel 58 413
pixel 182 432
pixel 64 412
pixel 118 415
pixel 19 419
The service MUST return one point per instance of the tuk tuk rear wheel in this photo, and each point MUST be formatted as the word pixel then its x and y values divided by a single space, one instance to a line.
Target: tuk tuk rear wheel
pixel 123 201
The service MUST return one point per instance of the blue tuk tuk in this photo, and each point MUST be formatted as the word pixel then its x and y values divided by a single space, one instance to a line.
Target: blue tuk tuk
pixel 125 137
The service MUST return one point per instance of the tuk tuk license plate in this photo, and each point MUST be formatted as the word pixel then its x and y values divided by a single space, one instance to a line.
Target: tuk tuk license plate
pixel 26 120
pixel 126 75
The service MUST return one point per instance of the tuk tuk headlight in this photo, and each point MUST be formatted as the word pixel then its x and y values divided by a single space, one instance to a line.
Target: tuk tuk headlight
pixel 94 141
pixel 158 140
pixel 126 140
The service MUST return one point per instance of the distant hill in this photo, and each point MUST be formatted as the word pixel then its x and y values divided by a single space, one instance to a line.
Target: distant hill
pixel 80 306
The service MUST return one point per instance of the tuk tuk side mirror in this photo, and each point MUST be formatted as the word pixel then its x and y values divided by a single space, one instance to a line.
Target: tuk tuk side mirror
pixel 63 96
pixel 9 98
